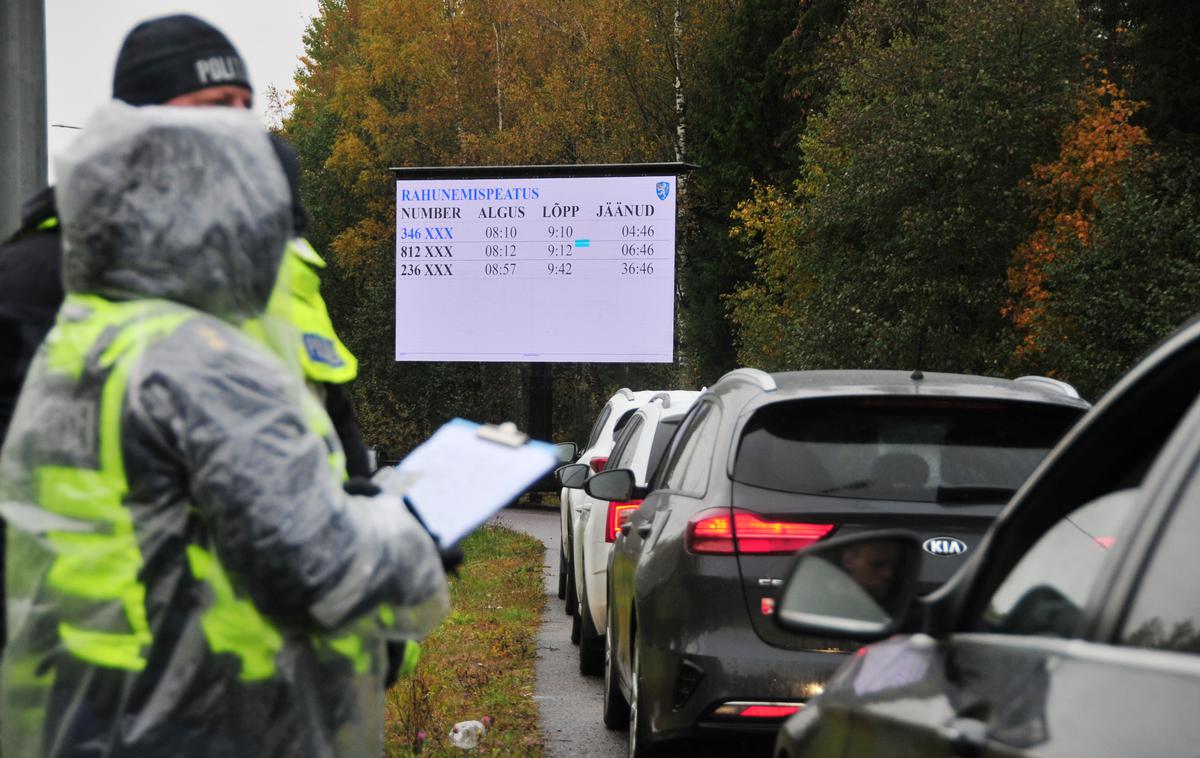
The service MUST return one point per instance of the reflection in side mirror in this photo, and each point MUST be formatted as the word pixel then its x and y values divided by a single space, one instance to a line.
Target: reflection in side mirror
pixel 617 484
pixel 565 452
pixel 572 476
pixel 859 587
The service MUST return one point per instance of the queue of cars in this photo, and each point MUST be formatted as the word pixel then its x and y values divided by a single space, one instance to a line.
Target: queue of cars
pixel 761 466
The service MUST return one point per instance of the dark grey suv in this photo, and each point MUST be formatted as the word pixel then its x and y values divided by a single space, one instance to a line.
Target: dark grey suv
pixel 764 465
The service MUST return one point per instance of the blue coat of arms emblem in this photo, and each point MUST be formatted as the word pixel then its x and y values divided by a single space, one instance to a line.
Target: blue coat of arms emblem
pixel 662 189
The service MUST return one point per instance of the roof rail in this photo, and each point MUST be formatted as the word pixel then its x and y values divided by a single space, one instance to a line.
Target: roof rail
pixel 753 375
pixel 665 397
pixel 628 393
pixel 1056 385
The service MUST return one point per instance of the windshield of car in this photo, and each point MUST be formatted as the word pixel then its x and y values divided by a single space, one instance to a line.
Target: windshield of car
pixel 945 450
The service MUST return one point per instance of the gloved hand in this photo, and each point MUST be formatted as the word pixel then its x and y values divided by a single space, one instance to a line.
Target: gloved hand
pixel 359 485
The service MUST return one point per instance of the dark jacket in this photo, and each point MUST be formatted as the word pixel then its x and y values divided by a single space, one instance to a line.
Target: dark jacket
pixel 30 293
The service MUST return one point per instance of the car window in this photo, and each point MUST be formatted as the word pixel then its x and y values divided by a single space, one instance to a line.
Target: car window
pixel 594 437
pixel 910 449
pixel 1047 590
pixel 1166 604
pixel 692 456
pixel 627 443
pixel 662 437
pixel 622 420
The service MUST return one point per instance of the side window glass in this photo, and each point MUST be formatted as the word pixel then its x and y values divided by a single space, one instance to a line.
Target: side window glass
pixel 626 446
pixel 1046 591
pixel 598 426
pixel 692 457
pixel 1166 605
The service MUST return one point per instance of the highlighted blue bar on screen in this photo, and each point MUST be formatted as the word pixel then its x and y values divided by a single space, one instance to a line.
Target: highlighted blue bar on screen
pixel 583 243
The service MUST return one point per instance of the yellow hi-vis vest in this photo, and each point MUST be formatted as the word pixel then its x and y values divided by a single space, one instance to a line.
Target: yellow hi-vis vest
pixel 97 560
pixel 297 301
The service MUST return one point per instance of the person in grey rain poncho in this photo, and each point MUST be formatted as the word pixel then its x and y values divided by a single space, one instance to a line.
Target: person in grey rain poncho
pixel 186 575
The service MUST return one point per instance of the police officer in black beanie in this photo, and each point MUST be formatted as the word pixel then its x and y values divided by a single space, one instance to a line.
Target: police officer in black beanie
pixel 174 60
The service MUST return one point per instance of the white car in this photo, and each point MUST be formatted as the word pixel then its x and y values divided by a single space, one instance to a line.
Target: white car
pixel 638 448
pixel 612 418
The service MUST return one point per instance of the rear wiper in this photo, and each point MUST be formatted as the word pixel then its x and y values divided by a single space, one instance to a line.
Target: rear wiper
pixel 973 494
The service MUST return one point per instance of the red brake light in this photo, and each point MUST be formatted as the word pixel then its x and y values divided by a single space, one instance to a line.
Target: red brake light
pixel 758 535
pixel 598 463
pixel 619 513
pixel 725 531
pixel 769 711
pixel 710 531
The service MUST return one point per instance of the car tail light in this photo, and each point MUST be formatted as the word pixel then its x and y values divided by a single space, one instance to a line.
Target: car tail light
pixel 726 531
pixel 598 463
pixel 619 513
pixel 710 531
pixel 756 710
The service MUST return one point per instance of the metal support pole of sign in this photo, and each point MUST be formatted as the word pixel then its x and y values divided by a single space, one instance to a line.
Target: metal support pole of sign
pixel 22 107
pixel 541 408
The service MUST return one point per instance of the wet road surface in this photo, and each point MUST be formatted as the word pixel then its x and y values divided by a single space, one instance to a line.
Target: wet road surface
pixel 569 704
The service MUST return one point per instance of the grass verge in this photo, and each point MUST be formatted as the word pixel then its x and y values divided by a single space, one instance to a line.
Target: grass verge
pixel 480 661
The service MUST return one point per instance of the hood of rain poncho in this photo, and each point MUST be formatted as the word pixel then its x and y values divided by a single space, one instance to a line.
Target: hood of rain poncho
pixel 260 592
pixel 185 204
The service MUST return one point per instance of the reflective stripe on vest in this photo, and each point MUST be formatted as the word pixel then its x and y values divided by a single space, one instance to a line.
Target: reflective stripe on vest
pixel 95 569
pixel 232 625
pixel 297 300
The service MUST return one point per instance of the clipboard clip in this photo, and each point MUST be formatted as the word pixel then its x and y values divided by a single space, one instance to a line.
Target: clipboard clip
pixel 505 434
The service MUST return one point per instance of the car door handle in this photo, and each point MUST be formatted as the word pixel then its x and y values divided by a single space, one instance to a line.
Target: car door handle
pixel 643 530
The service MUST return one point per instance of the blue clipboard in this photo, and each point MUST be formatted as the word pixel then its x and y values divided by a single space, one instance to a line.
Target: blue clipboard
pixel 467 472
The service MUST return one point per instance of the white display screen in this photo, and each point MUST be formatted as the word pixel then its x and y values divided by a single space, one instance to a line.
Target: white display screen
pixel 536 270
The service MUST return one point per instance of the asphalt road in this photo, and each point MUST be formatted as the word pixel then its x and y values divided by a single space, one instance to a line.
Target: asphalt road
pixel 569 704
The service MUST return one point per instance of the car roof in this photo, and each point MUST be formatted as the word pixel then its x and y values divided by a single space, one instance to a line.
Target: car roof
pixel 799 384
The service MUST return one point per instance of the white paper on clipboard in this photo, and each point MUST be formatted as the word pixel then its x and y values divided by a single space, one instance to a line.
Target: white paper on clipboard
pixel 461 479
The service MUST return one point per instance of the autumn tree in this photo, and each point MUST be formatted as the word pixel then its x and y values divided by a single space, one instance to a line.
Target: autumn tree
pixel 1113 265
pixel 910 202
pixel 466 82
pixel 1100 152
pixel 756 80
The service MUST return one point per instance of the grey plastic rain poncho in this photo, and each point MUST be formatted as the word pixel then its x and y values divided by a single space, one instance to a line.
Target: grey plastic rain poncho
pixel 186 576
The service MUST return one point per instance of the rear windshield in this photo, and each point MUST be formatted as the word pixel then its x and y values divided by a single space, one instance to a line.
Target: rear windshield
pixel 912 449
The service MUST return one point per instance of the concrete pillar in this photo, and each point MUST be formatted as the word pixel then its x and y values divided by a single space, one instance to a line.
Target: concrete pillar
pixel 22 106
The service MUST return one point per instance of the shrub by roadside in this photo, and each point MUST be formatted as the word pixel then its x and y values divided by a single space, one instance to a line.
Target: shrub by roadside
pixel 480 661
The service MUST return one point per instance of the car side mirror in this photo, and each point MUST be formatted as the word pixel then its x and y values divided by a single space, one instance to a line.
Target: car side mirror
pixel 860 587
pixel 617 484
pixel 565 452
pixel 573 475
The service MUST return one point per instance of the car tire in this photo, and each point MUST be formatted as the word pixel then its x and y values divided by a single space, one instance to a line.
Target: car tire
pixel 616 710
pixel 591 643
pixel 562 575
pixel 571 603
pixel 640 745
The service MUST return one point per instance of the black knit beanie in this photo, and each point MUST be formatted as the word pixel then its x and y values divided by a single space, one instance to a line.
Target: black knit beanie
pixel 170 56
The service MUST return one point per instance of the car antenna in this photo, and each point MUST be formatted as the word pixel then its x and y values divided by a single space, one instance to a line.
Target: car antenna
pixel 916 375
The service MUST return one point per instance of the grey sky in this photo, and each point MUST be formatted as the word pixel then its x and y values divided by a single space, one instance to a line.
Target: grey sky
pixel 83 37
